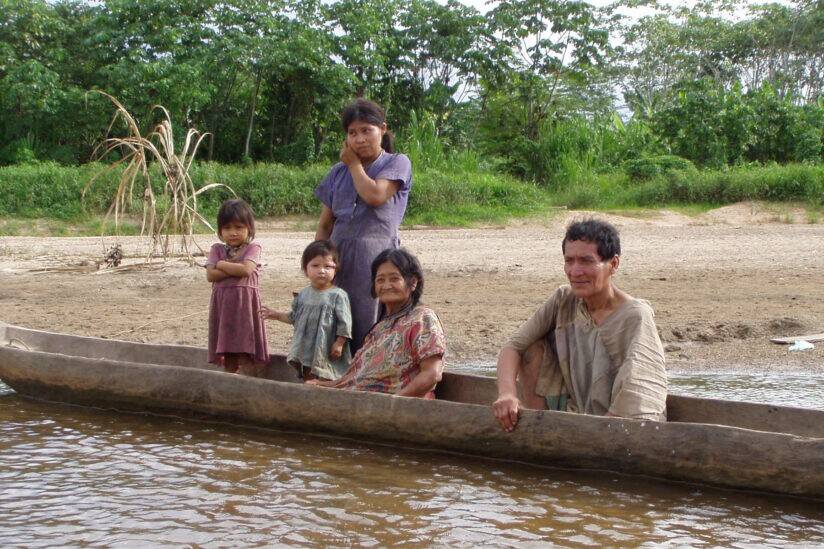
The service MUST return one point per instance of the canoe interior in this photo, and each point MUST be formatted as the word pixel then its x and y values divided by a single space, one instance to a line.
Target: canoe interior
pixel 453 387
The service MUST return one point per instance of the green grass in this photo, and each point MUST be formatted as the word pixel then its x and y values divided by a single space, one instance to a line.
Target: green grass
pixel 455 196
pixel 45 199
pixel 793 182
pixel 38 226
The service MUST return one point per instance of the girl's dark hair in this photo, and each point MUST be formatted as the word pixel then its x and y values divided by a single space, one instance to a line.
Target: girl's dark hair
pixel 600 233
pixel 363 110
pixel 236 209
pixel 407 264
pixel 316 248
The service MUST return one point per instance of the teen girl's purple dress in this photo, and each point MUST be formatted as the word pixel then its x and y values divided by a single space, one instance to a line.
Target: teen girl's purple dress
pixel 361 232
pixel 235 325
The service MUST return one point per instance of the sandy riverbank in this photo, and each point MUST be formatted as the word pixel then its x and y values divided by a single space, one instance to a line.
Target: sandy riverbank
pixel 721 285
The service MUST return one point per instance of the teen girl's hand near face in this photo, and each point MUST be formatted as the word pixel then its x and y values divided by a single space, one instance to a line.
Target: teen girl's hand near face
pixel 348 155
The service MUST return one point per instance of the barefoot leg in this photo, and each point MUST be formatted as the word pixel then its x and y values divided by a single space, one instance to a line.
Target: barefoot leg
pixel 230 363
pixel 247 366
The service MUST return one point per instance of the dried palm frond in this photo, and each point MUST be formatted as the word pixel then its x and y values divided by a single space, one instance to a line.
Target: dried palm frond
pixel 179 192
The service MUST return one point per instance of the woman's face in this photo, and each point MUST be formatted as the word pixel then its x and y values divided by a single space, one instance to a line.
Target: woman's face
pixel 391 287
pixel 365 139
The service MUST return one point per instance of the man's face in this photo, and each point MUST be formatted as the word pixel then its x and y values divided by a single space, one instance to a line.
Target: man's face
pixel 588 274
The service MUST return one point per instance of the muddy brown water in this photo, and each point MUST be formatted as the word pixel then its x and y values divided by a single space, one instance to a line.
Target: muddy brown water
pixel 73 476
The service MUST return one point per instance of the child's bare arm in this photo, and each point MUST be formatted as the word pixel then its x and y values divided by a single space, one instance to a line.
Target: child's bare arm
pixel 268 314
pixel 237 269
pixel 337 348
pixel 213 274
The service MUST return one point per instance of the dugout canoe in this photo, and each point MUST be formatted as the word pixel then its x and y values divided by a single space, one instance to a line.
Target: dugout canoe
pixel 724 443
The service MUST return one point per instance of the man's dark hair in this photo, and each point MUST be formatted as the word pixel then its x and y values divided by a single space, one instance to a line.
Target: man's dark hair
pixel 363 110
pixel 316 248
pixel 236 209
pixel 601 233
pixel 407 264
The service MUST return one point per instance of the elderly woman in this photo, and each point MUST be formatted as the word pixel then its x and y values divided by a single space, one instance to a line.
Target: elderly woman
pixel 403 353
pixel 591 348
pixel 364 199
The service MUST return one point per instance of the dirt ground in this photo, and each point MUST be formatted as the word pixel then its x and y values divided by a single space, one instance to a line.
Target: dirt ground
pixel 721 284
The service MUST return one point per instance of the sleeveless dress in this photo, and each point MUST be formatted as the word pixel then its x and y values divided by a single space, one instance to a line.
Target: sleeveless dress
pixel 361 232
pixel 235 325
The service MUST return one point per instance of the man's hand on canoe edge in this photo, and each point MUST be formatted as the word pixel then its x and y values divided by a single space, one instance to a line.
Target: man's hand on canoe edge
pixel 507 409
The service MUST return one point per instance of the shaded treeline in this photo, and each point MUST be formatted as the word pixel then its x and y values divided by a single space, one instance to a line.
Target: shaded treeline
pixel 533 87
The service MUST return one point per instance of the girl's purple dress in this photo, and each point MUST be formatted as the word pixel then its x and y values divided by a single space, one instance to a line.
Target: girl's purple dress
pixel 361 232
pixel 235 325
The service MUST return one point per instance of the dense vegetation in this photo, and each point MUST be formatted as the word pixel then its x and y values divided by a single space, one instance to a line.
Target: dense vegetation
pixel 534 102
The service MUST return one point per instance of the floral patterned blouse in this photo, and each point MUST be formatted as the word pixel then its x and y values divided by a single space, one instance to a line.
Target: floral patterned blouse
pixel 394 349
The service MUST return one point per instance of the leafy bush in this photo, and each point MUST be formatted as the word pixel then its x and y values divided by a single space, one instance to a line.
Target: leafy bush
pixel 647 167
pixel 298 152
pixel 706 123
pixel 784 132
pixel 19 151
pixel 62 154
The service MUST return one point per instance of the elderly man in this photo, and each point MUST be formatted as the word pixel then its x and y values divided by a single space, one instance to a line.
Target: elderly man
pixel 591 348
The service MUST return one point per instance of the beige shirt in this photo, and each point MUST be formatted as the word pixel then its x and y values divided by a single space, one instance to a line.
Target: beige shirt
pixel 617 367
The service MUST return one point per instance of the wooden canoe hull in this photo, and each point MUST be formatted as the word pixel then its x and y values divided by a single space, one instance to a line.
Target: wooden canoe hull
pixel 695 452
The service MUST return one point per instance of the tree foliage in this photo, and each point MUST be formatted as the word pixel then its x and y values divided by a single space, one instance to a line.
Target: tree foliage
pixel 543 88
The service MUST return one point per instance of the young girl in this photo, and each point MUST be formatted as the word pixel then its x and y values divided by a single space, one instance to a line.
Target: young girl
pixel 321 317
pixel 237 336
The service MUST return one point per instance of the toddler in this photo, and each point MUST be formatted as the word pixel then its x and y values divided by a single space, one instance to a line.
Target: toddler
pixel 321 317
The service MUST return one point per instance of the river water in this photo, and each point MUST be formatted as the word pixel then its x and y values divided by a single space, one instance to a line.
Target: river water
pixel 72 476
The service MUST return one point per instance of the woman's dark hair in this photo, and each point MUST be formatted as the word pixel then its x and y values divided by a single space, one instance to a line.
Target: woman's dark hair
pixel 407 264
pixel 317 248
pixel 236 210
pixel 363 110
pixel 601 233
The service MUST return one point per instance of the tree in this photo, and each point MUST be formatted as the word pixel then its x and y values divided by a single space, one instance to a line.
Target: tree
pixel 706 123
pixel 551 46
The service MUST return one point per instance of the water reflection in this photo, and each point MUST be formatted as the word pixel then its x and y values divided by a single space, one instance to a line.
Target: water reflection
pixel 79 476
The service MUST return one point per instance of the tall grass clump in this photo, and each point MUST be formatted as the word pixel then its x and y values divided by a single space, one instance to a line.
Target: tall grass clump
pixel 565 152
pixel 177 208
pixel 427 149
pixel 421 142
pixel 461 198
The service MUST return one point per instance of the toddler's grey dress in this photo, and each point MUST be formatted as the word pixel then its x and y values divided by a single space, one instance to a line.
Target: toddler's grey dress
pixel 319 317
